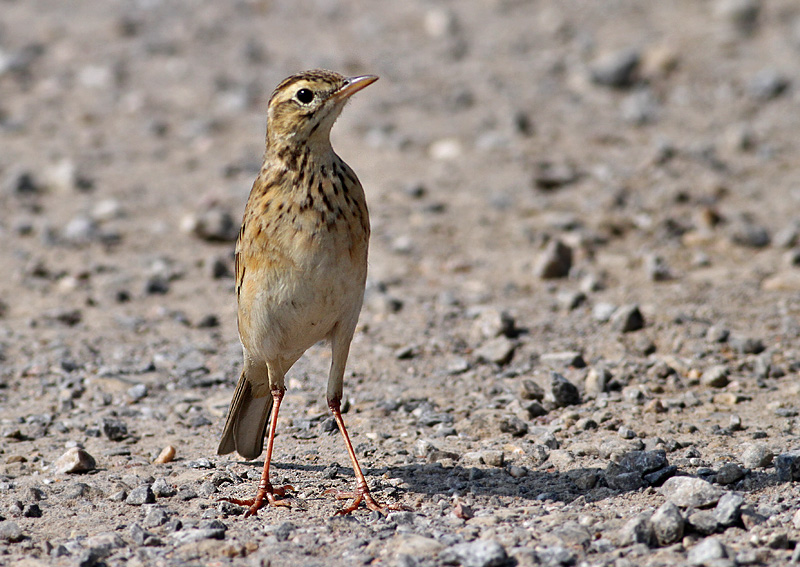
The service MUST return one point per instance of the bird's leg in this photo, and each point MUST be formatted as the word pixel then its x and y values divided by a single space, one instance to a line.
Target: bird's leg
pixel 265 488
pixel 361 493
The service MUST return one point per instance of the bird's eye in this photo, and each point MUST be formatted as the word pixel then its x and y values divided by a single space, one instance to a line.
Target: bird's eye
pixel 305 96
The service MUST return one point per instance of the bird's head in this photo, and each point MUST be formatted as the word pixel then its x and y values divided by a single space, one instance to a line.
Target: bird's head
pixel 304 107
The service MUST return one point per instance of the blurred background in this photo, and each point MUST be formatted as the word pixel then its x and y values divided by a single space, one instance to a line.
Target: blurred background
pixel 656 141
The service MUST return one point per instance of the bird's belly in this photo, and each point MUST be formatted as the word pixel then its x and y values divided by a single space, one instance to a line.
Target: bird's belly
pixel 300 306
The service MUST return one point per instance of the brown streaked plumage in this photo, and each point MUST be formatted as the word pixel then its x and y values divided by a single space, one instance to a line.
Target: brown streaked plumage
pixel 301 266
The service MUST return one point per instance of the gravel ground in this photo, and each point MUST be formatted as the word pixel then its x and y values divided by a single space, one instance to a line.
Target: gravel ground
pixel 579 343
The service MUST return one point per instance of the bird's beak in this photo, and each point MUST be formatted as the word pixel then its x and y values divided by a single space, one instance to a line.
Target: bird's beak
pixel 352 85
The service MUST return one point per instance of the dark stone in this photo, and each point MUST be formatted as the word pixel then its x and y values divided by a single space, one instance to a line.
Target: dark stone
pixel 659 477
pixel 32 511
pixel 140 495
pixel 513 425
pixel 787 465
pixel 617 69
pixel 730 473
pixel 562 392
pixel 627 318
pixel 556 261
pixel 621 479
pixel 728 510
pixel 704 522
pixel 644 461
pixel 114 429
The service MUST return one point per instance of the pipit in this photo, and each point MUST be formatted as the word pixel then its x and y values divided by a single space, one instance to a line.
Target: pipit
pixel 301 265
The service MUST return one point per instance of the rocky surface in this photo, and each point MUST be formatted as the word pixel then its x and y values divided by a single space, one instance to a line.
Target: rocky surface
pixel 579 342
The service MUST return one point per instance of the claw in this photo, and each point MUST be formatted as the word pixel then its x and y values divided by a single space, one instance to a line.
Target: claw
pixel 361 495
pixel 269 493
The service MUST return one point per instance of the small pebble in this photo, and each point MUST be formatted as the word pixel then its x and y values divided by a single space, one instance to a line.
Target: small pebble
pixel 787 466
pixel 119 496
pixel 106 210
pixel 75 460
pixel 10 532
pixel 703 522
pixel 685 491
pixel 565 358
pixel 616 69
pixel 730 473
pixel 230 509
pixel 492 458
pixel 627 318
pixel 478 553
pixel 596 382
pixel 530 390
pixel 728 509
pixel 498 350
pixel 706 551
pixel 166 455
pixel 639 108
pixel 638 529
pixel 750 518
pixel 741 15
pixel 32 511
pixel 105 542
pixel 602 312
pixel 446 149
pixel 439 23
pixel 114 429
pixel 196 535
pixel 555 261
pixel 656 268
pixel 492 323
pixel 79 230
pixel 163 489
pixel 667 524
pixel 137 392
pixel 513 425
pixel 155 517
pixel 747 345
pixel 716 334
pixel 747 234
pixel 756 455
pixel 517 472
pixel 788 236
pixel 213 225
pixel 571 299
pixel 141 495
pixel 767 84
pixel 561 392
pixel 186 493
pixel 207 489
pixel 553 175
pixel 715 377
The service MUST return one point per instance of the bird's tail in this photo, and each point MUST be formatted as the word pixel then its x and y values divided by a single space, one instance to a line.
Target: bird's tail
pixel 247 421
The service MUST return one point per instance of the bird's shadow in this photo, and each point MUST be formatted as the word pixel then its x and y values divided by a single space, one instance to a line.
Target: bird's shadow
pixel 433 479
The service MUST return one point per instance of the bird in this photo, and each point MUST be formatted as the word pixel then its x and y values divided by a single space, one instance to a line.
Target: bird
pixel 301 268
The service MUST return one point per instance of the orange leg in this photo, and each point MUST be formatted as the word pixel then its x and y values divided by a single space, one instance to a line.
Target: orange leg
pixel 361 492
pixel 265 488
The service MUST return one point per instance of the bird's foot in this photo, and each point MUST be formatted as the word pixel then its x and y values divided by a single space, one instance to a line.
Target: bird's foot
pixel 361 494
pixel 268 493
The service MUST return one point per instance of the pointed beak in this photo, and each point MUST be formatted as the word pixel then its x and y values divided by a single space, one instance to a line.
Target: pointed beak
pixel 352 85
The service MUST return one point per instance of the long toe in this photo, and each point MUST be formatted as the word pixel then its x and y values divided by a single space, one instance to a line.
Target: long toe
pixel 254 504
pixel 358 496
